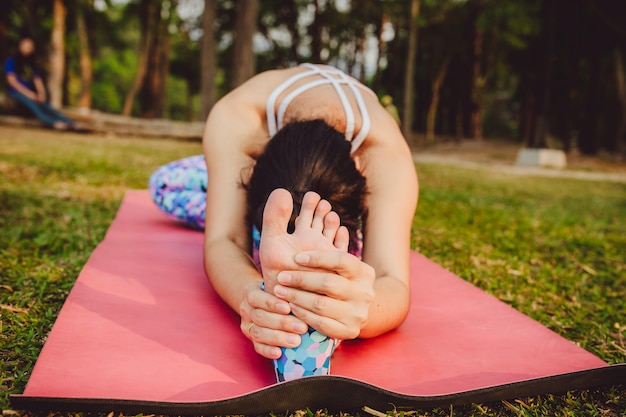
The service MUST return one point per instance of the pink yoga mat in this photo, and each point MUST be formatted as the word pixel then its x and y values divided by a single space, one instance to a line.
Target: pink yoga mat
pixel 143 331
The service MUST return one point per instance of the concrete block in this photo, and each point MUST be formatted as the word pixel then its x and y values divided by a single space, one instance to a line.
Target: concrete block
pixel 549 158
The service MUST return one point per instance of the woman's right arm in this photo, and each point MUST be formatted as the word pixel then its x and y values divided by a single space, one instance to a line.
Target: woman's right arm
pixel 233 128
pixel 14 83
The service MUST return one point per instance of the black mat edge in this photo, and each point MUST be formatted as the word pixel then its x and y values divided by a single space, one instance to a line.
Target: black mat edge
pixel 332 393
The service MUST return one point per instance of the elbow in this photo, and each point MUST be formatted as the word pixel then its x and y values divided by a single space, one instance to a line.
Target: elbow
pixel 401 304
pixel 404 305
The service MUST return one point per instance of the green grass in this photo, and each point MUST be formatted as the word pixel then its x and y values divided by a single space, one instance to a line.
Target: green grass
pixel 552 248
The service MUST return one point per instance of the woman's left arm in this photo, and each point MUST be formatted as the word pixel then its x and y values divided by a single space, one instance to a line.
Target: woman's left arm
pixel 392 199
pixel 346 297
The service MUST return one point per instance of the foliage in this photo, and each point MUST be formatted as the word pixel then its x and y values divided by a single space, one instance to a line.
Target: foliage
pixel 114 78
pixel 538 244
pixel 526 69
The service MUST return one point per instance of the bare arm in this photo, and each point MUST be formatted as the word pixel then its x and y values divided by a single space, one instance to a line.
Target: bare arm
pixel 234 126
pixel 14 83
pixel 393 190
pixel 40 89
pixel 227 264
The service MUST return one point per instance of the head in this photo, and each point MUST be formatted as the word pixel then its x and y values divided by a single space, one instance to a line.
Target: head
pixel 26 47
pixel 308 156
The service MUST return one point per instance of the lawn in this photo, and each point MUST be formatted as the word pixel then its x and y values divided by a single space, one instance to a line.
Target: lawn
pixel 554 249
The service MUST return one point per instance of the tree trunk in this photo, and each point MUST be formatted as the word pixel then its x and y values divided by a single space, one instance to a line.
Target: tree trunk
pixel 57 55
pixel 528 124
pixel 316 34
pixel 154 89
pixel 588 128
pixel 208 67
pixel 620 140
pixel 381 59
pixel 478 81
pixel 549 22
pixel 86 65
pixel 292 27
pixel 409 73
pixel 148 21
pixel 243 64
pixel 434 102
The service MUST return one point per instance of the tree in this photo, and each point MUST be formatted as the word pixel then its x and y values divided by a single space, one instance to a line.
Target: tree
pixel 478 79
pixel 208 56
pixel 409 75
pixel 442 35
pixel 620 136
pixel 153 91
pixel 278 18
pixel 243 59
pixel 153 66
pixel 148 13
pixel 85 59
pixel 57 55
pixel 436 83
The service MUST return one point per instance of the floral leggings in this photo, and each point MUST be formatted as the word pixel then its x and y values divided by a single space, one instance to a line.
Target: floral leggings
pixel 179 190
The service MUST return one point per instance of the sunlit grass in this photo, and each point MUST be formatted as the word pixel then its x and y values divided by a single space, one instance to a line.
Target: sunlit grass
pixel 552 248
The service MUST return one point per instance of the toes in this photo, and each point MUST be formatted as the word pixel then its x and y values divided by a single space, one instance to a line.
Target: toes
pixel 307 210
pixel 342 239
pixel 319 217
pixel 331 225
pixel 277 212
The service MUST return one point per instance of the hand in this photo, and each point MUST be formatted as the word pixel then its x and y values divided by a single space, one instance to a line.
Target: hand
pixel 332 294
pixel 317 227
pixel 266 321
pixel 30 94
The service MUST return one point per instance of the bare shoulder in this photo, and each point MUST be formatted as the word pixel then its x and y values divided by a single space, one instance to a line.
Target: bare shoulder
pixel 237 122
pixel 256 90
pixel 385 136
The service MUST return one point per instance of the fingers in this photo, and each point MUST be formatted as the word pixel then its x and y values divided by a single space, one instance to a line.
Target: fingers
pixel 313 281
pixel 266 322
pixel 342 263
pixel 332 327
pixel 267 341
pixel 333 297
pixel 328 302
pixel 321 292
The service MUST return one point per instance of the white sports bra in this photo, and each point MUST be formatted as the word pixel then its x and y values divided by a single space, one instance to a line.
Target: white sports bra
pixel 329 75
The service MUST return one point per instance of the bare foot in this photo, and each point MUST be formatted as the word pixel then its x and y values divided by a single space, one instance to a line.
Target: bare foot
pixel 317 227
pixel 60 126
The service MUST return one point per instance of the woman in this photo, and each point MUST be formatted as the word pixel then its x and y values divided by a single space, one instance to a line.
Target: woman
pixel 311 279
pixel 26 86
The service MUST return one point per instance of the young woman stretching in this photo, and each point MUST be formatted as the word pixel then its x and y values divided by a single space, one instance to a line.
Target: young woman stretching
pixel 307 158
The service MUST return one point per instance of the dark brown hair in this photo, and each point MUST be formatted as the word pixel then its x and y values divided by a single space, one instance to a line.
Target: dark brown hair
pixel 308 156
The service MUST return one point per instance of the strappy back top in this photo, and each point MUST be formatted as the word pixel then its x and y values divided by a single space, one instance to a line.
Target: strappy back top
pixel 322 75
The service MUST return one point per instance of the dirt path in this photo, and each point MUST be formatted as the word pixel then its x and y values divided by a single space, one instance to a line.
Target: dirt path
pixel 500 156
pixel 520 170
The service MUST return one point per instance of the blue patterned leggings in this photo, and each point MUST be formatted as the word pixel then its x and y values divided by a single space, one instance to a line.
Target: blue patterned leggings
pixel 179 189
